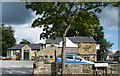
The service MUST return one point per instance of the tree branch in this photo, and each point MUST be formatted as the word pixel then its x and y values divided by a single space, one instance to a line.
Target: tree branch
pixel 89 8
pixel 67 21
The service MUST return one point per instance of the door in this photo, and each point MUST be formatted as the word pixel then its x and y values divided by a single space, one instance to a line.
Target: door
pixel 41 58
pixel 26 54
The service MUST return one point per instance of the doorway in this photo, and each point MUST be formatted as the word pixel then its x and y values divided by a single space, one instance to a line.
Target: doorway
pixel 26 54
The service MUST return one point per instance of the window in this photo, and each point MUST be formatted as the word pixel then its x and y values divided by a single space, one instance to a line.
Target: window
pixel 26 50
pixel 46 57
pixel 10 53
pixel 17 54
pixel 14 52
pixel 77 58
pixel 51 57
pixel 88 58
pixel 69 57
pixel 86 50
pixel 41 58
pixel 85 58
pixel 87 47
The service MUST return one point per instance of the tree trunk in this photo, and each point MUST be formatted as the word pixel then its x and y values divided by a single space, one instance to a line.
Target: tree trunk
pixel 63 50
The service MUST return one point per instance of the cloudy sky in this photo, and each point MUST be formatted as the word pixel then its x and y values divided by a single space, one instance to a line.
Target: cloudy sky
pixel 16 15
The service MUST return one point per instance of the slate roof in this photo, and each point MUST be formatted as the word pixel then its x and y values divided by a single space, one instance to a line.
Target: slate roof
pixel 73 39
pixel 117 53
pixel 32 46
pixel 82 39
pixel 109 53
pixel 57 40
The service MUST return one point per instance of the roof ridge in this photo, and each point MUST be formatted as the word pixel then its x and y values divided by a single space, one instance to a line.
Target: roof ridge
pixel 80 37
pixel 26 44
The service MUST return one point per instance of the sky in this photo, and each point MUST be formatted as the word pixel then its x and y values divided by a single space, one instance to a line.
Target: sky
pixel 20 18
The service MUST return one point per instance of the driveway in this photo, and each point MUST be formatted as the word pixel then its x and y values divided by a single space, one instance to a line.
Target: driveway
pixel 16 68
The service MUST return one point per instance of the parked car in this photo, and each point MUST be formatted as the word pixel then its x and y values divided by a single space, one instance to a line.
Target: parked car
pixel 72 58
pixel 4 58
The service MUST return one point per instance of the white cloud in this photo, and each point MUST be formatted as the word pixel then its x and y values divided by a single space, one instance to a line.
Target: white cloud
pixel 109 18
pixel 108 35
pixel 114 50
pixel 28 33
pixel 25 31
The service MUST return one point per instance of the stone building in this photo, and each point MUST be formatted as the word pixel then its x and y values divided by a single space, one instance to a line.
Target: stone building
pixel 48 53
pixel 23 51
pixel 86 47
pixel 113 57
pixel 117 56
pixel 109 56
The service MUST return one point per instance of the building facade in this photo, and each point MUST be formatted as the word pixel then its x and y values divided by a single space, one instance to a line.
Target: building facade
pixel 117 56
pixel 109 56
pixel 23 51
pixel 86 47
pixel 48 54
pixel 88 51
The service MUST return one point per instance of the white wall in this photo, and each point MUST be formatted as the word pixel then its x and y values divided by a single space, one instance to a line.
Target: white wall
pixel 69 43
pixel 97 46
pixel 8 55
pixel 51 44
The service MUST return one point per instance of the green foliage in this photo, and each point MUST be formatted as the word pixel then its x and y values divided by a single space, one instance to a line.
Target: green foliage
pixel 24 41
pixel 8 39
pixel 0 40
pixel 116 4
pixel 61 15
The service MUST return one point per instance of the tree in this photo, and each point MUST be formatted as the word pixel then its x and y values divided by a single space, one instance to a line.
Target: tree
pixel 104 47
pixel 8 39
pixel 64 16
pixel 0 40
pixel 24 41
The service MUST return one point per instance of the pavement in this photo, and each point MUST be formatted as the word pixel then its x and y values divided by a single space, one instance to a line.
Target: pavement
pixel 16 68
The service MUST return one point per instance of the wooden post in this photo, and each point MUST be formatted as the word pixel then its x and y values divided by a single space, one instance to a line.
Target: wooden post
pixel 55 55
pixel 96 71
pixel 103 71
pixel 111 70
pixel 106 71
pixel 118 69
pixel 55 70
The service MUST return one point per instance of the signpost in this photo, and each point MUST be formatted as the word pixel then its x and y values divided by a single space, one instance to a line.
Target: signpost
pixel 101 65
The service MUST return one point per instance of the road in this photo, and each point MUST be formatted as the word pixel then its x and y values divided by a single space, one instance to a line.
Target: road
pixel 16 68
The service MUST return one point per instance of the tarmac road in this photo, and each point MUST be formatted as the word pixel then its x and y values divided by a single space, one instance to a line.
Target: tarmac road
pixel 16 68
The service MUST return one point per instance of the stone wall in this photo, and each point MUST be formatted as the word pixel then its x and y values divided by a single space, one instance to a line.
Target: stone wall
pixel 41 68
pixel 70 68
pixel 74 68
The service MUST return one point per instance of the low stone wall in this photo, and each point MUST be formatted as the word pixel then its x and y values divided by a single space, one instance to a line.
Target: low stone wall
pixel 74 68
pixel 70 68
pixel 41 68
